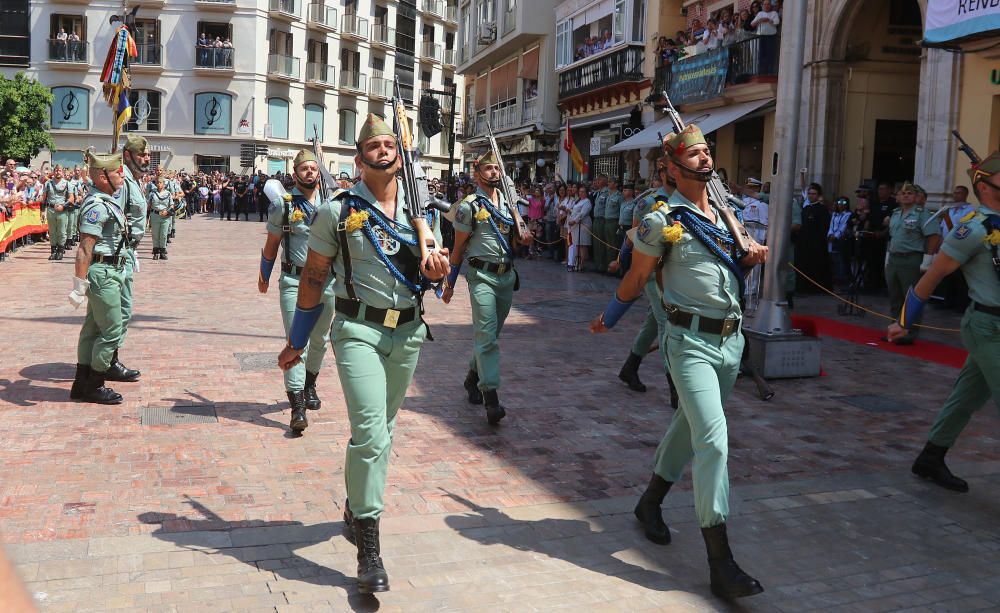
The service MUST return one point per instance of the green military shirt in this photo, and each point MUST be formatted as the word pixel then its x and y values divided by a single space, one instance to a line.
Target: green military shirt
pixel 600 202
pixel 909 229
pixel 613 205
pixel 299 218
pixel 133 202
pixel 484 243
pixel 645 206
pixel 101 216
pixel 56 192
pixel 625 213
pixel 694 279
pixel 967 245
pixel 374 284
pixel 159 202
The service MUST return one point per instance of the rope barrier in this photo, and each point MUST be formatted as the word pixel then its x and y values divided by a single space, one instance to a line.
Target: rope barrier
pixel 858 306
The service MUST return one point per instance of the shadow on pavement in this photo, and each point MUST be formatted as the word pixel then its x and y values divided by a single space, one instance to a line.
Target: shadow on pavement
pixel 247 412
pixel 208 531
pixel 25 393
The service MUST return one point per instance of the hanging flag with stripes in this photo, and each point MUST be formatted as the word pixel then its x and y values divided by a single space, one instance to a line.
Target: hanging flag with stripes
pixel 116 79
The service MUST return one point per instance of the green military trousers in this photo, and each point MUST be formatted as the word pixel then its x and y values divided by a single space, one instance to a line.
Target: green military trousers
pixel 58 222
pixel 375 365
pixel 901 272
pixel 652 327
pixel 161 228
pixel 73 224
pixel 610 231
pixel 127 274
pixel 102 326
pixel 704 368
pixel 491 295
pixel 312 355
pixel 977 380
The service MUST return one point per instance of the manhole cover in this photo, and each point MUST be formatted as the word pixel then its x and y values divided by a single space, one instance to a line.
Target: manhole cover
pixel 178 415
pixel 576 310
pixel 262 360
pixel 876 404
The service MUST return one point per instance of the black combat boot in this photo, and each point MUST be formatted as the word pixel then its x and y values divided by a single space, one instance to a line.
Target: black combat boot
pixel 297 401
pixel 930 465
pixel 371 573
pixel 119 372
pixel 52 252
pixel 630 373
pixel 471 385
pixel 163 253
pixel 94 390
pixel 648 512
pixel 79 381
pixel 494 410
pixel 312 399
pixel 728 579
pixel 349 522
pixel 674 400
pixel 156 253
pixel 60 251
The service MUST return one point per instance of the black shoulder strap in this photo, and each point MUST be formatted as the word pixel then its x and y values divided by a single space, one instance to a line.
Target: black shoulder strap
pixel 286 230
pixel 345 249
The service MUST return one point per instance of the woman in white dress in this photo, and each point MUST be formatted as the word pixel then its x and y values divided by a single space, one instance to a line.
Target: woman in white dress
pixel 564 206
pixel 579 225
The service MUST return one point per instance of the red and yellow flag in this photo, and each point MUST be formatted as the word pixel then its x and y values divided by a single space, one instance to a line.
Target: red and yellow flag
pixel 579 164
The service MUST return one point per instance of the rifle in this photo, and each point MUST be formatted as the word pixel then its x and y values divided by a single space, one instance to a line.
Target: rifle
pixel 327 186
pixel 418 197
pixel 717 190
pixel 966 149
pixel 507 188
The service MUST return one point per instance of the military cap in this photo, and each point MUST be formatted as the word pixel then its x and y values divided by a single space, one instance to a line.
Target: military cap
pixel 629 186
pixel 988 167
pixel 675 144
pixel 103 161
pixel 135 144
pixel 487 158
pixel 374 126
pixel 921 191
pixel 908 188
pixel 304 155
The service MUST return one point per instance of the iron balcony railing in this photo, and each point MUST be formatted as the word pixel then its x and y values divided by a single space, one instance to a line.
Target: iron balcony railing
pixel 283 65
pixel 622 66
pixel 214 57
pixel 75 52
pixel 531 111
pixel 322 15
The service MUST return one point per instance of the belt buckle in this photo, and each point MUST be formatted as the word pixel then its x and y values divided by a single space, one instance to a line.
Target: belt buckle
pixel 501 268
pixel 391 318
pixel 286 228
pixel 729 326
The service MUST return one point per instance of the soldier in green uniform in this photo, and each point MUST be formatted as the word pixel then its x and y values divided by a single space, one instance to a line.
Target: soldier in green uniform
pixel 600 200
pixel 609 230
pixel 485 233
pixel 974 246
pixel 73 207
pixel 911 241
pixel 288 221
pixel 57 193
pixel 366 236
pixel 159 218
pixel 98 275
pixel 135 155
pixel 702 273
pixel 625 214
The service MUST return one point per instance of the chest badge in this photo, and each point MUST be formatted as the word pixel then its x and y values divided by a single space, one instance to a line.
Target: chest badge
pixel 389 245
pixel 962 231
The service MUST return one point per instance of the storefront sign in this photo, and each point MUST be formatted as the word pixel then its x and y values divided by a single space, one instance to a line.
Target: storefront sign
pixel 213 113
pixel 160 148
pixel 951 20
pixel 70 108
pixel 700 77
pixel 595 145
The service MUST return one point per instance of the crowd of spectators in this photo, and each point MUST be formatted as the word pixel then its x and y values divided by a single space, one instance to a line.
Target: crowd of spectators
pixel 217 52
pixel 19 186
pixel 723 28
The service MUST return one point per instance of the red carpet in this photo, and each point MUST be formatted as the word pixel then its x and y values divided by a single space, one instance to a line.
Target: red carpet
pixel 812 325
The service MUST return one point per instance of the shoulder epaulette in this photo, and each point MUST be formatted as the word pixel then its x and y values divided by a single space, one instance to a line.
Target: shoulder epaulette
pixel 339 193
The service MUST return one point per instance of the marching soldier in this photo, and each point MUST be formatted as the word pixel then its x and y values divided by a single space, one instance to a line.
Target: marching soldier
pixel 288 224
pixel 365 235
pixel 974 247
pixel 485 233
pixel 159 218
pixel 98 275
pixel 912 242
pixel 57 195
pixel 702 277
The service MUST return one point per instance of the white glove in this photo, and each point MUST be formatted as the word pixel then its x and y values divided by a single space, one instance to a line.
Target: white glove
pixel 925 264
pixel 80 287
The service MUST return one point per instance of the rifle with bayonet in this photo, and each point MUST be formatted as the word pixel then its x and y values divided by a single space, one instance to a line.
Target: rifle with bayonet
pixel 966 149
pixel 327 186
pixel 418 197
pixel 508 190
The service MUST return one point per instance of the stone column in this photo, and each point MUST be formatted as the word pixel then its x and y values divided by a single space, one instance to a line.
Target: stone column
pixel 823 125
pixel 937 116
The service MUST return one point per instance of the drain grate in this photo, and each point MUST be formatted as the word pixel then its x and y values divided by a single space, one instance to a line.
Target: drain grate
pixel 573 310
pixel 178 415
pixel 262 360
pixel 876 404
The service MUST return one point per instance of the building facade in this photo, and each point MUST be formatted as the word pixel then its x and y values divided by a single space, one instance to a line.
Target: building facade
pixel 213 75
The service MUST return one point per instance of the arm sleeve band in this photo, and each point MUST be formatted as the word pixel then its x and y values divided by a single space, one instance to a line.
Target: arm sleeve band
pixel 266 266
pixel 453 275
pixel 614 311
pixel 913 310
pixel 303 323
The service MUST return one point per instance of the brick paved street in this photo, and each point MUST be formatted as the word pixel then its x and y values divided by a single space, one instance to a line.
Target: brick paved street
pixel 100 511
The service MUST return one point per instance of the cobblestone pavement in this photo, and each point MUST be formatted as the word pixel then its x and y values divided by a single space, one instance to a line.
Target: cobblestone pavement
pixel 100 511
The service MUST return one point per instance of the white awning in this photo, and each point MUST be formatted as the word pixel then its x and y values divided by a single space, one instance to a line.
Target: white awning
pixel 709 121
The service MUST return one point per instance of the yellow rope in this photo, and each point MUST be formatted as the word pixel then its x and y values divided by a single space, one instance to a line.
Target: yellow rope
pixel 594 236
pixel 858 306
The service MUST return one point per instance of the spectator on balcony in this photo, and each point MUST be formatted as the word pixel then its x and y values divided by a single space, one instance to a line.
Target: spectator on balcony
pixel 697 30
pixel 712 38
pixel 767 20
pixel 581 51
pixel 217 52
pixel 203 46
pixel 227 53
pixel 607 41
pixel 61 40
pixel 75 47
pixel 746 16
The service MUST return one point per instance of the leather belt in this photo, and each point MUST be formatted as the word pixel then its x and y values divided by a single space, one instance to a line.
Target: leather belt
pixel 390 318
pixel 108 259
pixel 721 327
pixel 291 269
pixel 490 266
pixel 989 310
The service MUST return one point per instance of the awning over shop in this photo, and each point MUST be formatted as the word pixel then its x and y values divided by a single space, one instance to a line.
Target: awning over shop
pixel 593 120
pixel 709 121
pixel 949 21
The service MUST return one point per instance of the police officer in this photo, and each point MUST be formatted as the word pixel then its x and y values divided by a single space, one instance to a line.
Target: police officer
pixel 599 198
pixel 702 343
pixel 911 242
pixel 288 225
pixel 57 194
pixel 974 247
pixel 609 230
pixel 366 236
pixel 159 218
pixel 98 275
pixel 485 233
pixel 242 198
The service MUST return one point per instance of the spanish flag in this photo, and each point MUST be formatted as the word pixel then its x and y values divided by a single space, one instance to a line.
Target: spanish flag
pixel 574 153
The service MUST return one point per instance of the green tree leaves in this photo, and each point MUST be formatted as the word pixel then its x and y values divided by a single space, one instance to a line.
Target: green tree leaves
pixel 24 107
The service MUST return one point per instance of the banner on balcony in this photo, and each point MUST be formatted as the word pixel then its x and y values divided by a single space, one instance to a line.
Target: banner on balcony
pixel 700 77
pixel 951 20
